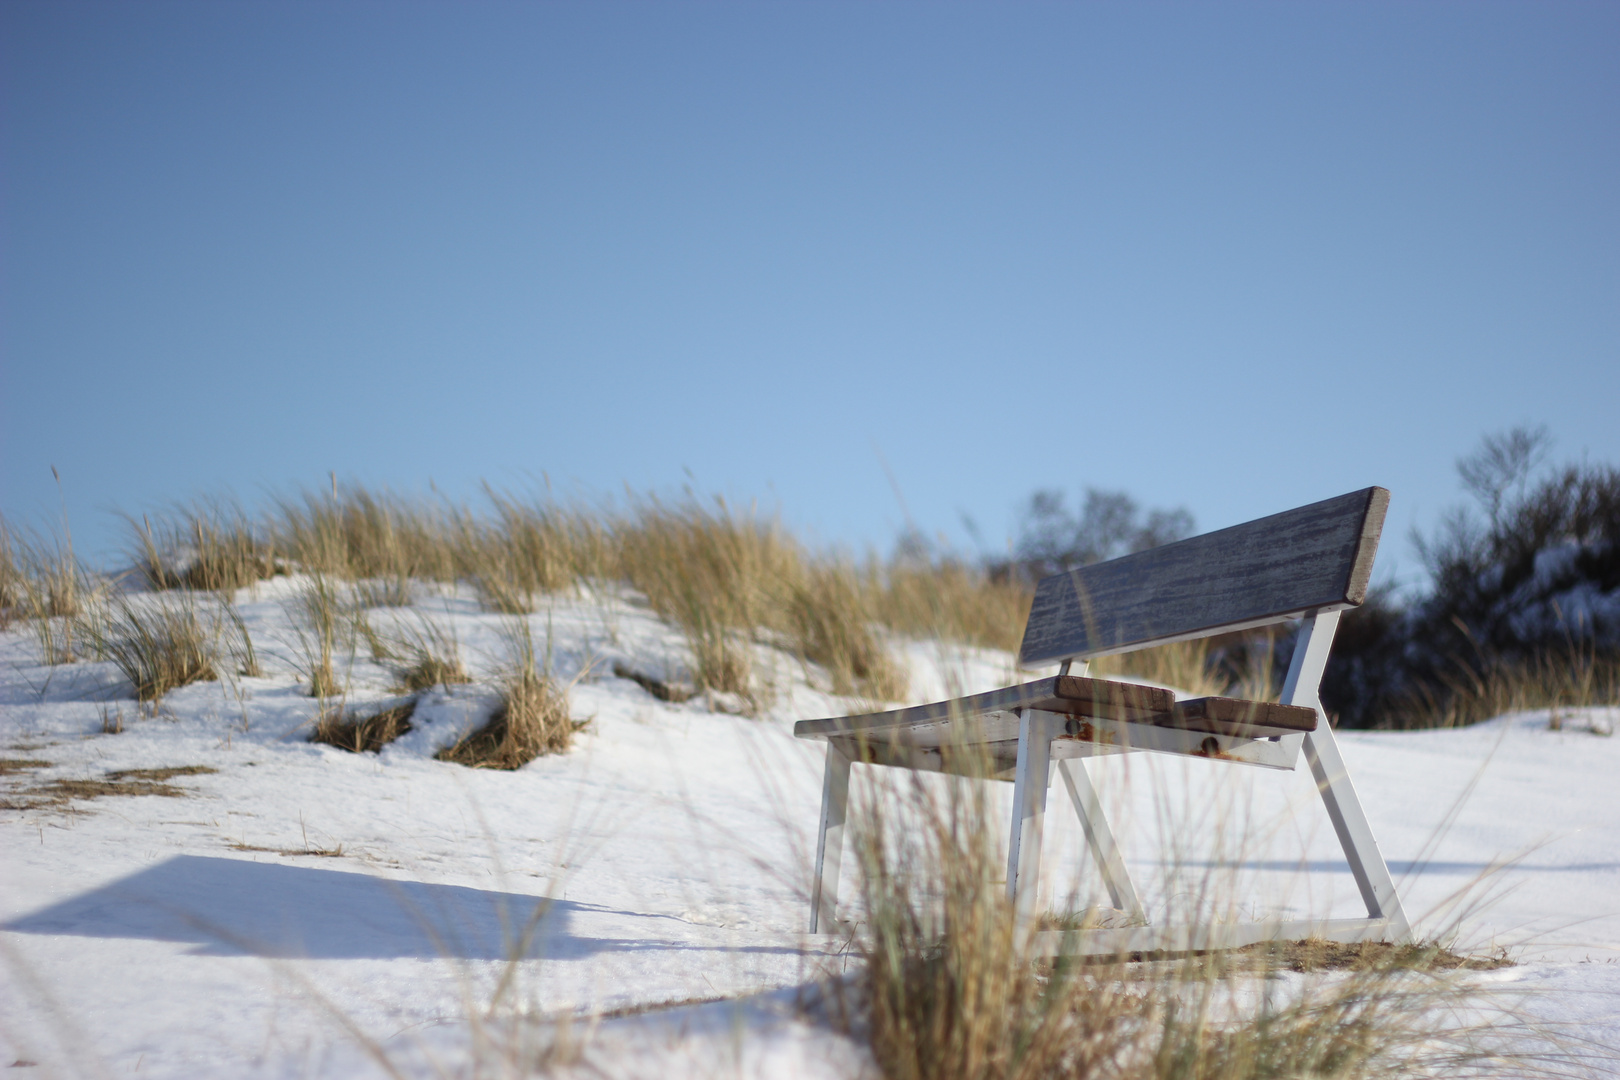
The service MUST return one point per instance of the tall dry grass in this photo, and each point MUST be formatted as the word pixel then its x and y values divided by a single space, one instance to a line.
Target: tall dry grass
pixel 54 583
pixel 11 576
pixel 427 655
pixel 327 632
pixel 532 718
pixel 43 582
pixel 718 575
pixel 726 576
pixel 1572 679
pixel 355 534
pixel 1185 665
pixel 209 545
pixel 949 600
pixel 951 989
pixel 530 548
pixel 831 615
pixel 164 642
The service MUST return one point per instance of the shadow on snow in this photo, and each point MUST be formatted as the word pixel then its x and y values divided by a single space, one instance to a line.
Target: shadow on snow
pixel 234 907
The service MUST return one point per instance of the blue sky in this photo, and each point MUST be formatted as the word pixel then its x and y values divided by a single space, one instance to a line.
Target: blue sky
pixel 856 261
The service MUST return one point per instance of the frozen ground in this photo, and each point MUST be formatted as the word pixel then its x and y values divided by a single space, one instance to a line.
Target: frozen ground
pixel 303 911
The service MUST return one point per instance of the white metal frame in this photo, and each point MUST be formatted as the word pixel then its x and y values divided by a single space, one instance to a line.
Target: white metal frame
pixel 1385 919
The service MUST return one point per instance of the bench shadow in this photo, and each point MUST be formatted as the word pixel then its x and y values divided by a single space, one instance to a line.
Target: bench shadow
pixel 1400 868
pixel 236 907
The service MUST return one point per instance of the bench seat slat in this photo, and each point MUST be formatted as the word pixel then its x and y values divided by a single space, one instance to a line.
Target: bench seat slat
pixel 1070 695
pixel 989 718
pixel 1235 716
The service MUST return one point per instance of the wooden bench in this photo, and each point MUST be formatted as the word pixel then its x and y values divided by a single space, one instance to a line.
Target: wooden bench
pixel 1310 563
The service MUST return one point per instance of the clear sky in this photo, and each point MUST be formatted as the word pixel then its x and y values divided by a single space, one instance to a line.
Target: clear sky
pixel 1232 257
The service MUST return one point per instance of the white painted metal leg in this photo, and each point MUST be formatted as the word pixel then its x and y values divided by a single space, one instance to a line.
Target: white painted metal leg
pixel 1035 733
pixel 1304 678
pixel 1355 834
pixel 829 843
pixel 1099 837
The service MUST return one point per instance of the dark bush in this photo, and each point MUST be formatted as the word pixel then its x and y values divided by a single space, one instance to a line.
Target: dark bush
pixel 1525 581
pixel 1367 678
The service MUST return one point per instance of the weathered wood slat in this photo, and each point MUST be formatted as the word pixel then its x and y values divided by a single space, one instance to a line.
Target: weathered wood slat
pixel 1315 558
pixel 1234 716
pixel 1070 695
pixel 989 718
pixel 994 755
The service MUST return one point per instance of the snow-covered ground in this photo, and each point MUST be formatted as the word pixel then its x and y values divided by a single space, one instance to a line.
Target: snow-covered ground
pixel 306 911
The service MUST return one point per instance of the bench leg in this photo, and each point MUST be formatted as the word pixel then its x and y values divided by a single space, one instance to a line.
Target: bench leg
pixel 1099 837
pixel 1029 813
pixel 1367 864
pixel 829 843
pixel 1344 810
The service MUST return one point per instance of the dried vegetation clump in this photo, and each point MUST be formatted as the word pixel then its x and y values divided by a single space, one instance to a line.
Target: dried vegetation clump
pixel 209 546
pixel 160 643
pixel 42 582
pixel 531 719
pixel 1315 954
pixel 831 617
pixel 428 655
pixel 363 732
pixel 430 670
pixel 11 578
pixel 120 782
pixel 1561 680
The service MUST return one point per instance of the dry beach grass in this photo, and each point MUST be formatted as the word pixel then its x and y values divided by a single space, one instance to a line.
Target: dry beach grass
pixel 947 986
pixel 950 987
pixel 726 577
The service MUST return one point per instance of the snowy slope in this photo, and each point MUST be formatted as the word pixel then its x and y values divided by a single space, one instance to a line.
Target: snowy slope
pixel 302 910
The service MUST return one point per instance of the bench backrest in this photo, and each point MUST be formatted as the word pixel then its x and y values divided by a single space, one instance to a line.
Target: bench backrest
pixel 1316 558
